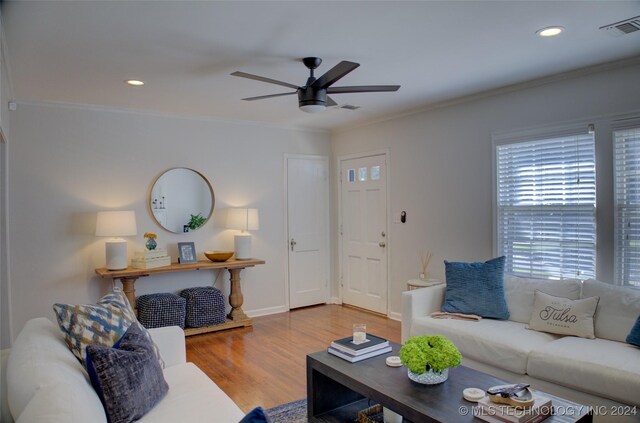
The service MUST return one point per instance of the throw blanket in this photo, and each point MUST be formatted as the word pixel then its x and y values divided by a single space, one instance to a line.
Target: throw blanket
pixel 458 316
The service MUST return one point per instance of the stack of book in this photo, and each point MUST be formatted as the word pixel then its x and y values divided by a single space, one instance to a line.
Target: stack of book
pixel 150 259
pixel 500 413
pixel 347 350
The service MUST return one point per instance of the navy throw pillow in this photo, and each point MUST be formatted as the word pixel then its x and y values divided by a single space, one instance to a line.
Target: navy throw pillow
pixel 256 415
pixel 634 336
pixel 127 377
pixel 476 288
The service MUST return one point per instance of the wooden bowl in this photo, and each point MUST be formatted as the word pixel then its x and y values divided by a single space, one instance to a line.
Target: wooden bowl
pixel 218 255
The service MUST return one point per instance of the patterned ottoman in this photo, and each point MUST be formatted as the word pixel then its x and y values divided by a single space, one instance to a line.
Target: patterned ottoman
pixel 158 310
pixel 205 306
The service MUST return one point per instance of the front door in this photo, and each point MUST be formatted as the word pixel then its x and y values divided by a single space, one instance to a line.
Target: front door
pixel 364 232
pixel 308 230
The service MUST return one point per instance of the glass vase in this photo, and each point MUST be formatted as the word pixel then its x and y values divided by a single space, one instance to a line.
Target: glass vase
pixel 429 377
pixel 151 244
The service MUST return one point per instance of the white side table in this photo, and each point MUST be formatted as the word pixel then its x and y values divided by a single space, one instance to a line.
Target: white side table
pixel 419 283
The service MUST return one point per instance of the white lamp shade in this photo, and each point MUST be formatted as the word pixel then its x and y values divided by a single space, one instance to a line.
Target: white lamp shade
pixel 116 223
pixel 243 219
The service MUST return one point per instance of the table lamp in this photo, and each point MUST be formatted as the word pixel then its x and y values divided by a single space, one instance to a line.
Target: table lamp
pixel 116 224
pixel 244 220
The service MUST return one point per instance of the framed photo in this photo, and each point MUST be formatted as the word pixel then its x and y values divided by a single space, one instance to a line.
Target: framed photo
pixel 187 252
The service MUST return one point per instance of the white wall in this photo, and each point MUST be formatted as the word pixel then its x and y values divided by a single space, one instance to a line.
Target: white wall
pixel 65 164
pixel 5 95
pixel 441 167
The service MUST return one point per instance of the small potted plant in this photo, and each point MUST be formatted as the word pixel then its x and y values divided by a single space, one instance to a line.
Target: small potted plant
pixel 151 240
pixel 429 357
pixel 196 221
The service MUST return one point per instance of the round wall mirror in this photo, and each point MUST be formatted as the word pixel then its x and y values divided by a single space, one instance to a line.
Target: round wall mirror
pixel 181 200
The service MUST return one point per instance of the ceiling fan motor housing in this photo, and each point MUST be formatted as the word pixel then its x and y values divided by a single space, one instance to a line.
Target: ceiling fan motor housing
pixel 308 97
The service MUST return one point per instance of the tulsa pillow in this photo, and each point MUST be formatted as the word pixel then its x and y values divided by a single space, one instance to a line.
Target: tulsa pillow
pixel 563 316
pixel 127 377
pixel 476 288
pixel 97 324
pixel 634 336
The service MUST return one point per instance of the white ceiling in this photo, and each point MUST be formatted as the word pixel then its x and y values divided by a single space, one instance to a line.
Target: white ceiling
pixel 81 52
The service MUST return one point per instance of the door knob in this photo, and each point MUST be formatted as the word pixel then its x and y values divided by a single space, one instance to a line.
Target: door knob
pixel 382 244
pixel 293 243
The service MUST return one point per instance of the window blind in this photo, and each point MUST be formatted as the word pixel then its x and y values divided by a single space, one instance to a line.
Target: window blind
pixel 627 198
pixel 546 195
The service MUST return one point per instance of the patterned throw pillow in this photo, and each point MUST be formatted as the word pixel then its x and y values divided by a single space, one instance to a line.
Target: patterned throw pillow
pixel 97 324
pixel 127 377
pixel 476 288
pixel 563 316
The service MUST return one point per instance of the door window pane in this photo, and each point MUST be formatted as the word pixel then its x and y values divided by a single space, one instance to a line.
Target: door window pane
pixel 375 173
pixel 351 175
pixel 363 174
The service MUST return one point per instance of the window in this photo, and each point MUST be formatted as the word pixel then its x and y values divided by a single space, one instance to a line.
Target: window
pixel 627 209
pixel 546 198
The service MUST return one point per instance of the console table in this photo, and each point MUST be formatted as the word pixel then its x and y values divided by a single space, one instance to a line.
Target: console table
pixel 236 318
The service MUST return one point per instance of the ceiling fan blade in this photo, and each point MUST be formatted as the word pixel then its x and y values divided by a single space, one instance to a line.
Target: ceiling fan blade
pixel 263 79
pixel 267 96
pixel 331 102
pixel 362 89
pixel 334 74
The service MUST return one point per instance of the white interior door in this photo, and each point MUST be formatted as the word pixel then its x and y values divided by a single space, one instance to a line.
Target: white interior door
pixel 308 230
pixel 364 232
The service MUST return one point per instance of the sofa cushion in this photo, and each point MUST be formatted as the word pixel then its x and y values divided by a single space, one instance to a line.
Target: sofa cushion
pixel 617 310
pixel 634 336
pixel 519 293
pixel 40 369
pixel 602 367
pixel 97 324
pixel 127 377
pixel 476 288
pixel 192 397
pixel 503 344
pixel 563 316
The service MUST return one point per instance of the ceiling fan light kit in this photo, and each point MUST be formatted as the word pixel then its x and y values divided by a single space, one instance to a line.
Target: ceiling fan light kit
pixel 312 97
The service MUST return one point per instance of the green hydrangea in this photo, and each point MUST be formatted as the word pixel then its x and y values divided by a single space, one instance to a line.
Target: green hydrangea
pixel 429 352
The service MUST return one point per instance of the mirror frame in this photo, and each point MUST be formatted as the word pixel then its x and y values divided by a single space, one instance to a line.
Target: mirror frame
pixel 155 181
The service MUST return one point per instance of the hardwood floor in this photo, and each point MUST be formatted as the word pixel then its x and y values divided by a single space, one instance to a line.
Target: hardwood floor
pixel 265 365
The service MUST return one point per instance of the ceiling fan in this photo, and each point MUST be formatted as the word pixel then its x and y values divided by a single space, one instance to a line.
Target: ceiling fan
pixel 312 97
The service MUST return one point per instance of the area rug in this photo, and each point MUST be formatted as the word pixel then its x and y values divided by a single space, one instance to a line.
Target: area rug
pixel 291 412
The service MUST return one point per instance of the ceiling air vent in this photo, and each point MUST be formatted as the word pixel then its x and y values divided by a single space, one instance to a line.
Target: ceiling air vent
pixel 623 27
pixel 349 107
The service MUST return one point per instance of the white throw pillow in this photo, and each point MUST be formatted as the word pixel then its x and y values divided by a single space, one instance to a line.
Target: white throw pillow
pixel 563 315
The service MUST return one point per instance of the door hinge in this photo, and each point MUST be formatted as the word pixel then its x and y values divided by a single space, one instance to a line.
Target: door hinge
pixel 341 229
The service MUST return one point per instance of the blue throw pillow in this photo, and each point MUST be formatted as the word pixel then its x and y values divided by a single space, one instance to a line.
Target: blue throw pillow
pixel 634 336
pixel 128 377
pixel 256 415
pixel 476 288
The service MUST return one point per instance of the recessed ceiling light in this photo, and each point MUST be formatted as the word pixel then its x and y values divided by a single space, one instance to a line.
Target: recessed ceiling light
pixel 550 31
pixel 134 82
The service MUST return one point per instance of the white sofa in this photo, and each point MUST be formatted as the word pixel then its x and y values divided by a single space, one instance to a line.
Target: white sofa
pixel 46 383
pixel 603 372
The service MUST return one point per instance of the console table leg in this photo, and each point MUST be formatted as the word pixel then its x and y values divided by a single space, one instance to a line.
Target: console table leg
pixel 235 297
pixel 129 290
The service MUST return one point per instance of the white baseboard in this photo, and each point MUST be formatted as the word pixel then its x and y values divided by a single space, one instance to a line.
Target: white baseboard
pixel 334 300
pixel 267 311
pixel 395 316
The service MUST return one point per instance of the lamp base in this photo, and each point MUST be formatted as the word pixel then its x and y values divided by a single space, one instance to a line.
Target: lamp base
pixel 242 244
pixel 116 254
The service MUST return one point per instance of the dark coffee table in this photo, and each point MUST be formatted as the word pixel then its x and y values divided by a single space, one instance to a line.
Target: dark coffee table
pixel 337 390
